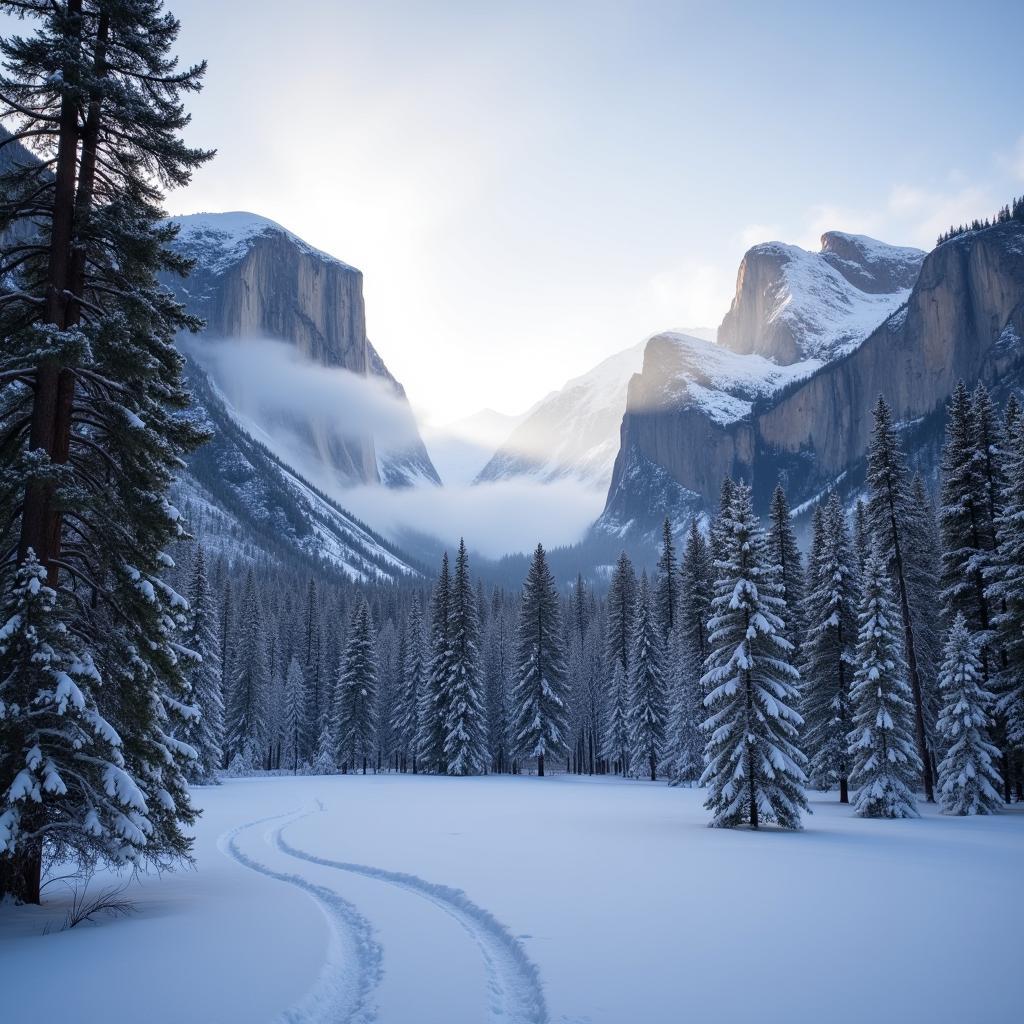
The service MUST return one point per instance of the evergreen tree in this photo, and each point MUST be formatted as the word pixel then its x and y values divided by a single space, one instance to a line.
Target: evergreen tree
pixel 294 718
pixel 433 699
pixel 754 768
pixel 246 725
pixel 666 596
pixel 647 703
pixel 827 673
pixel 464 749
pixel 861 535
pixel 538 698
pixel 882 747
pixel 968 779
pixel 783 552
pixel 964 519
pixel 688 650
pixel 615 742
pixel 324 762
pixel 718 540
pixel 621 611
pixel 888 517
pixel 1006 591
pixel 206 732
pixel 407 707
pixel 498 659
pixel 93 404
pixel 356 694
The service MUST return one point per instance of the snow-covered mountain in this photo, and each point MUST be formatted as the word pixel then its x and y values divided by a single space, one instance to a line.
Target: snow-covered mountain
pixel 253 282
pixel 791 305
pixel 810 341
pixel 573 432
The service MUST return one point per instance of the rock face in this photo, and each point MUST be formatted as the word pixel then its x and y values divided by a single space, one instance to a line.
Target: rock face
pixel 253 279
pixel 964 318
pixel 792 305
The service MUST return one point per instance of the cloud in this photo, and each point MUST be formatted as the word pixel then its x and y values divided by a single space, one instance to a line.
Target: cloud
pixel 692 293
pixel 496 519
pixel 272 385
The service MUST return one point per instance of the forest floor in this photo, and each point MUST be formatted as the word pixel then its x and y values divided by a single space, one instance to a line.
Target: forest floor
pixel 420 900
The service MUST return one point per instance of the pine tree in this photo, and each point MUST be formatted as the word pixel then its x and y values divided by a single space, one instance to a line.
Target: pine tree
pixel 882 747
pixel 93 405
pixel 311 643
pixel 718 539
pixel 889 513
pixel 294 718
pixel 433 699
pixel 968 779
pixel 861 535
pixel 783 552
pixel 827 672
pixel 324 762
pixel 754 767
pixel 1006 590
pixel 964 518
pixel 246 724
pixel 647 697
pixel 688 650
pixel 464 748
pixel 206 732
pixel 539 726
pixel 666 596
pixel 407 708
pixel 498 659
pixel 615 741
pixel 621 615
pixel 356 695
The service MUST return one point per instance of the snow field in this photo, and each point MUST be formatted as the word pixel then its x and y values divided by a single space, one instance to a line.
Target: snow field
pixel 582 900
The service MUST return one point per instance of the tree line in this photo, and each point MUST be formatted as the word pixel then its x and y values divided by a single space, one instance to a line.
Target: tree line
pixel 890 661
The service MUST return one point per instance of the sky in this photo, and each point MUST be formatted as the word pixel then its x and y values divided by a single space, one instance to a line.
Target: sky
pixel 531 187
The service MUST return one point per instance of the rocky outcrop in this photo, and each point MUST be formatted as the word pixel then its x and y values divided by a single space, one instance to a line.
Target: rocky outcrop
pixel 253 279
pixel 964 319
pixel 791 304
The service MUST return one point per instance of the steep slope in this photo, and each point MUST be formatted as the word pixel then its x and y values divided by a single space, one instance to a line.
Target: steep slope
pixel 573 432
pixel 241 499
pixel 254 280
pixel 791 304
pixel 964 318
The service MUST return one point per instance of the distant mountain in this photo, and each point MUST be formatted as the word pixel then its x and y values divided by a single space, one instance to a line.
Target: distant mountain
pixel 460 449
pixel 253 281
pixel 573 432
pixel 792 400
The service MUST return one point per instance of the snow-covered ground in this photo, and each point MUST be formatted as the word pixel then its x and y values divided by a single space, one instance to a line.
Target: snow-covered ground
pixel 414 900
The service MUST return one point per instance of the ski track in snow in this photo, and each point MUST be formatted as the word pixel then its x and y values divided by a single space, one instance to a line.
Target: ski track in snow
pixel 352 970
pixel 517 995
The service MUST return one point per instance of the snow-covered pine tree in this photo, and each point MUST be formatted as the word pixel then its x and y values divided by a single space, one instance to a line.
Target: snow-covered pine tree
pixel 861 534
pixel 464 748
pixel 294 718
pixel 356 694
pixel 621 610
pixel 539 724
pixel 968 539
pixel 316 705
pixel 246 720
pixel 968 779
pixel 647 698
pixel 621 604
pixel 498 661
pixel 92 407
pixel 688 650
pixel 1006 591
pixel 716 538
pixel 205 733
pixel 889 514
pixel 434 695
pixel 827 672
pixel 666 594
pixel 885 760
pixel 988 449
pixel 324 762
pixel 754 766
pixel 783 551
pixel 405 726
pixel 615 740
